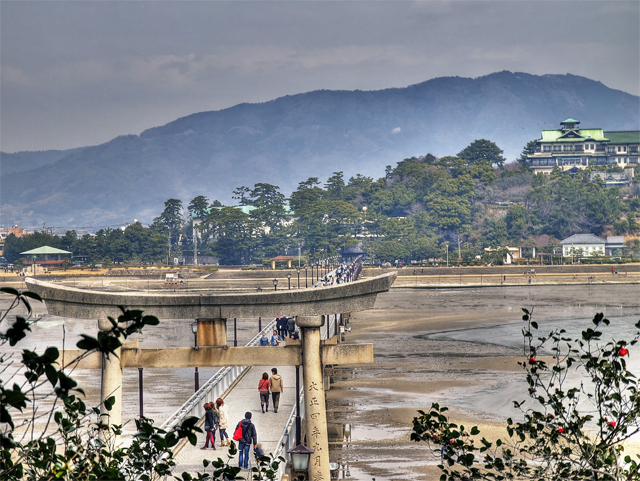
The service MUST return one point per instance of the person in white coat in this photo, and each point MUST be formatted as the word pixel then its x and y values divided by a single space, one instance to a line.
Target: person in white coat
pixel 223 423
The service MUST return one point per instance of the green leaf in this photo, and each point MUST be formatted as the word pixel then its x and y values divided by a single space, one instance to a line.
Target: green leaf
pixel 87 343
pixel 109 402
pixel 17 331
pixel 52 374
pixel 32 295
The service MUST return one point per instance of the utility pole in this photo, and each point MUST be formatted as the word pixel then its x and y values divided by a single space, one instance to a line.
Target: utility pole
pixel 447 244
pixel 195 242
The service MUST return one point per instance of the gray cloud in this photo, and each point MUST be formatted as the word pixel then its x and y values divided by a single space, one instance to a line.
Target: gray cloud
pixel 82 72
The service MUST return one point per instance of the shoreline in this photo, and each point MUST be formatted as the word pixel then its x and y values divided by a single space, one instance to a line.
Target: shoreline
pixel 471 374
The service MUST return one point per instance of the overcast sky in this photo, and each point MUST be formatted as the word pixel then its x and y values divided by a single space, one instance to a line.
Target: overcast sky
pixel 77 73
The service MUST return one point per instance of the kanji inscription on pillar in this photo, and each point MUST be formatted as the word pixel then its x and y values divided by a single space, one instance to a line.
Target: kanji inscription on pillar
pixel 315 413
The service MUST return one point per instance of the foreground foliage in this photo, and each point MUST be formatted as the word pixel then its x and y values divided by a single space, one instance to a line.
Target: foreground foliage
pixel 569 430
pixel 68 440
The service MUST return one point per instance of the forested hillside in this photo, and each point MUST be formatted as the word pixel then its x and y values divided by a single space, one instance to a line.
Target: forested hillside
pixel 294 137
pixel 468 201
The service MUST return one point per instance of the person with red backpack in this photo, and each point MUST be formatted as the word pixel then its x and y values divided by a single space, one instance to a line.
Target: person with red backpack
pixel 249 437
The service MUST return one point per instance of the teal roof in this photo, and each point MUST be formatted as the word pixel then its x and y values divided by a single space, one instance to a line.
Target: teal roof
pixel 45 250
pixel 595 134
pixel 591 134
pixel 624 137
pixel 570 121
pixel 247 209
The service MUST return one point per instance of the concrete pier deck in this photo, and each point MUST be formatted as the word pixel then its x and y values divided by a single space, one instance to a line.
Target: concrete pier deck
pixel 242 398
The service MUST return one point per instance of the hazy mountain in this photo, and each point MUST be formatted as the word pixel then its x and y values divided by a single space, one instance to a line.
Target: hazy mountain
pixel 24 161
pixel 289 139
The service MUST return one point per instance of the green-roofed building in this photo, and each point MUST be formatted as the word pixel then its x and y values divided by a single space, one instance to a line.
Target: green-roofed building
pixel 45 255
pixel 573 147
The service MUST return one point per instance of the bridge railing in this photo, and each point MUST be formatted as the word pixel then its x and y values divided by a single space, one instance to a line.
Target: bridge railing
pixel 214 388
pixel 287 440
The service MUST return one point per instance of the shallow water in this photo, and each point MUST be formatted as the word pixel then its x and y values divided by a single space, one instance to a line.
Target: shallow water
pixel 380 446
pixel 165 390
pixel 477 326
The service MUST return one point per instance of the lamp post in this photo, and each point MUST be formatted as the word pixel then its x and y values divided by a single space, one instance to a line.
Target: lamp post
pixel 325 221
pixel 298 270
pixel 194 329
pixel 298 418
pixel 364 211
pixel 305 277
pixel 300 457
pixel 275 284
pixel 289 279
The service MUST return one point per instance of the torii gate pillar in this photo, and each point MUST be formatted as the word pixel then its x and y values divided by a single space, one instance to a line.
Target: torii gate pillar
pixel 315 412
pixel 111 385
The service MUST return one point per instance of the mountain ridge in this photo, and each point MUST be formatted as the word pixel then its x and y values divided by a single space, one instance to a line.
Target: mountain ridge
pixel 286 140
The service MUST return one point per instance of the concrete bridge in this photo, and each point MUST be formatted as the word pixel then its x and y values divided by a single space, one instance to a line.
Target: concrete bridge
pixel 211 310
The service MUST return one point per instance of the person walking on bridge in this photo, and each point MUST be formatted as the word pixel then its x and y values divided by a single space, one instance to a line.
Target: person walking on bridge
pixel 275 339
pixel 263 388
pixel 223 422
pixel 249 437
pixel 277 387
pixel 210 424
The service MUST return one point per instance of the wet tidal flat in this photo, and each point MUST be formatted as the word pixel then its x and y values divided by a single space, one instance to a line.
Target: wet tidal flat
pixel 459 348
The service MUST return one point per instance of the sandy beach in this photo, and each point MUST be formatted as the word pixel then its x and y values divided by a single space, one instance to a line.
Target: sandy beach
pixel 439 346
pixel 458 347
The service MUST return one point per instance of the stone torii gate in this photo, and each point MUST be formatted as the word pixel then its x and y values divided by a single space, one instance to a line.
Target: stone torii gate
pixel 212 310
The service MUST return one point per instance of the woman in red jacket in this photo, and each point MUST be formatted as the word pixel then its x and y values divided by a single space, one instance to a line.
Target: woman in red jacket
pixel 263 387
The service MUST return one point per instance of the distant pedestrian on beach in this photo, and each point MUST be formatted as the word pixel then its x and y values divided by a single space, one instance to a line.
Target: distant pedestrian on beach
pixel 277 386
pixel 264 340
pixel 223 422
pixel 263 388
pixel 249 437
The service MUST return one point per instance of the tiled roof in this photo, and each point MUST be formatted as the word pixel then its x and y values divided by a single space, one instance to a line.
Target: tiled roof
pixel 583 239
pixel 615 240
pixel 45 250
pixel 589 134
pixel 622 137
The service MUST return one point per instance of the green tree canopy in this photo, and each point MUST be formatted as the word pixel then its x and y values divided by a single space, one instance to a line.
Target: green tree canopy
pixel 483 150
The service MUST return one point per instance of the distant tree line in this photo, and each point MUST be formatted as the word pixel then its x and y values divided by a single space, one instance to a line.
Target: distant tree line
pixel 419 209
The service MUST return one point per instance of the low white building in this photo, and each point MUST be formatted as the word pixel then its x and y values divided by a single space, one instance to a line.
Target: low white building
pixel 583 245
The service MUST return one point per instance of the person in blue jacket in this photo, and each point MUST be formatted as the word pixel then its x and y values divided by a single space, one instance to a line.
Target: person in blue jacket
pixel 264 340
pixel 275 339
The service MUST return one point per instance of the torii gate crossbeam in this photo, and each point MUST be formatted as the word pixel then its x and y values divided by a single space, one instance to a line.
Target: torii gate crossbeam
pixel 308 305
